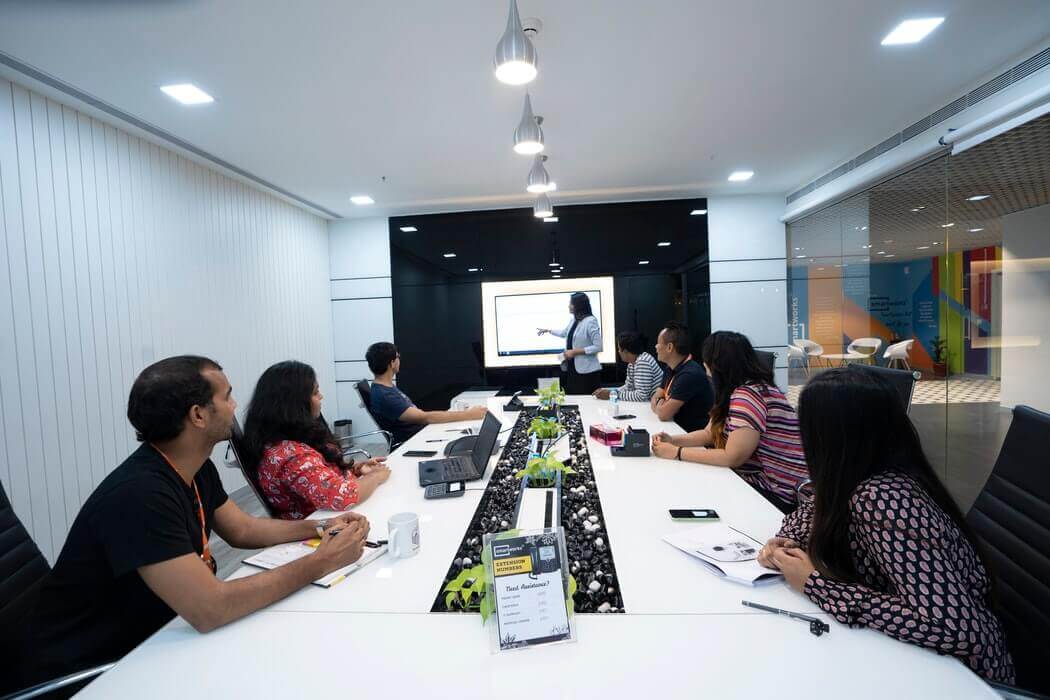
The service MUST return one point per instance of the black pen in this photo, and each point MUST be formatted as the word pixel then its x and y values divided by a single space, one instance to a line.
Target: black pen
pixel 376 544
pixel 817 627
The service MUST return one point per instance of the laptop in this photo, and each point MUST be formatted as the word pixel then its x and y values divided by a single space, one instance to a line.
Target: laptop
pixel 467 467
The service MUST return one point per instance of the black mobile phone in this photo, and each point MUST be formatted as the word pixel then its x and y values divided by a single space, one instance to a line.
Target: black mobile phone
pixel 448 490
pixel 624 416
pixel 693 514
pixel 420 453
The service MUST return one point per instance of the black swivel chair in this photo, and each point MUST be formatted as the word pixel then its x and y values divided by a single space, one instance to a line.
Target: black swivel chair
pixel 903 380
pixel 1011 520
pixel 236 445
pixel 22 571
pixel 768 359
pixel 364 390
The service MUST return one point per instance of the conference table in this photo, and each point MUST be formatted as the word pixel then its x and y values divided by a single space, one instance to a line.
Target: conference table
pixel 685 632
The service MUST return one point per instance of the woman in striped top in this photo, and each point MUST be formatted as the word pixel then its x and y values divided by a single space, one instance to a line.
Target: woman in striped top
pixel 753 429
pixel 644 376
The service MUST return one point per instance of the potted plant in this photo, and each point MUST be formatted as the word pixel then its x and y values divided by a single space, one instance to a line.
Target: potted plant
pixel 543 471
pixel 550 398
pixel 939 350
pixel 546 431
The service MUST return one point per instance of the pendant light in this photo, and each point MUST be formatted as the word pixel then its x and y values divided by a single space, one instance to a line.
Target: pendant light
pixel 542 209
pixel 528 137
pixel 515 59
pixel 539 179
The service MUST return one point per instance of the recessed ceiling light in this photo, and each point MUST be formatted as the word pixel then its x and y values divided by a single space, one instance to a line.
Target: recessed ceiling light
pixel 361 199
pixel 550 220
pixel 663 244
pixel 553 264
pixel 975 230
pixel 187 94
pixel 409 229
pixel 740 175
pixel 799 256
pixel 557 277
pixel 472 269
pixel 449 255
pixel 948 225
pixel 935 243
pixel 892 255
pixel 865 247
pixel 918 208
pixel 698 212
pixel 978 197
pixel 643 262
pixel 881 252
pixel 912 31
pixel 863 228
pixel 923 247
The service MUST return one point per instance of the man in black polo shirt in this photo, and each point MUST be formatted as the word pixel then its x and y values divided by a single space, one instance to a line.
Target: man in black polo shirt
pixel 137 553
pixel 686 397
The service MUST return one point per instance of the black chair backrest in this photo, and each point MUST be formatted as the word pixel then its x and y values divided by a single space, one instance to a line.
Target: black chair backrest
pixel 903 380
pixel 365 390
pixel 22 567
pixel 1011 520
pixel 239 453
pixel 768 359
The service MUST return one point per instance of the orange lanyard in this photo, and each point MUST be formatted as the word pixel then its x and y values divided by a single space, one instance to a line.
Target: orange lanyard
pixel 205 548
pixel 667 389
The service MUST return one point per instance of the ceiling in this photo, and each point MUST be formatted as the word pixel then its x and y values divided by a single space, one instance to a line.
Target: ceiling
pixel 329 98
pixel 926 210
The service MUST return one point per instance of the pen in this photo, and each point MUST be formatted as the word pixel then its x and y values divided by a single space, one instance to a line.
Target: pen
pixel 377 543
pixel 817 627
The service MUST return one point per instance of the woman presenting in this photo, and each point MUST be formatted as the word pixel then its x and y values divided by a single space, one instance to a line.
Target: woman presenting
pixel 583 341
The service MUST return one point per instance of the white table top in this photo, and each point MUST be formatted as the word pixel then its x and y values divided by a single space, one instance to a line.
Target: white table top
pixel 674 607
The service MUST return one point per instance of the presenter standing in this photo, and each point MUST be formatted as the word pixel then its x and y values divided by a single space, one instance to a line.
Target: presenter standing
pixel 581 370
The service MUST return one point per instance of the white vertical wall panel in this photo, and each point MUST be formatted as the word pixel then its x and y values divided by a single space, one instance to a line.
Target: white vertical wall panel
pixel 114 253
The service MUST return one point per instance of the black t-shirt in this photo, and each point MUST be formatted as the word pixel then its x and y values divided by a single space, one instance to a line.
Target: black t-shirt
pixel 94 607
pixel 689 383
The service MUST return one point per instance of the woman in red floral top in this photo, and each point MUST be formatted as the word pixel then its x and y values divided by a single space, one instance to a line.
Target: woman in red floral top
pixel 881 544
pixel 297 462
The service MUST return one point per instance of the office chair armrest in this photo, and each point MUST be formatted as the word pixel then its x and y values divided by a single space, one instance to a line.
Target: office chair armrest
pixel 358 451
pixel 59 683
pixel 385 433
pixel 1010 692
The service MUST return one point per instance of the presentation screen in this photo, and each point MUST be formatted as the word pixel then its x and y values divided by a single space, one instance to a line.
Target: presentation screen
pixel 512 311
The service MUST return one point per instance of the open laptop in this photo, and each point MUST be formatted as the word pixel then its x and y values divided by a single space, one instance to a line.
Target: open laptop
pixel 463 468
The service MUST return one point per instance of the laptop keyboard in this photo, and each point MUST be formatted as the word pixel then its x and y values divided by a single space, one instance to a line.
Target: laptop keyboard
pixel 456 469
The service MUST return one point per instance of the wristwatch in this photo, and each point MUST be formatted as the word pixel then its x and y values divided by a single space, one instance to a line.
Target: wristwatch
pixel 679 457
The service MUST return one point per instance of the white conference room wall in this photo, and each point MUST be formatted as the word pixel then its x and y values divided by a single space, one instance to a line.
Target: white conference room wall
pixel 116 252
pixel 1026 309
pixel 747 249
pixel 362 310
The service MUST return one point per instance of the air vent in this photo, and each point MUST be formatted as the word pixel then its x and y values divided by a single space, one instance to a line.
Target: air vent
pixel 1019 72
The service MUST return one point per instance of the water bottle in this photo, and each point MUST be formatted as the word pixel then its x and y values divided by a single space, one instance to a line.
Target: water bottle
pixel 614 399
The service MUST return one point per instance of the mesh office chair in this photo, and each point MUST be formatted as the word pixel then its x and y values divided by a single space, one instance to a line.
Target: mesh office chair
pixel 1011 520
pixel 768 359
pixel 903 380
pixel 364 390
pixel 22 571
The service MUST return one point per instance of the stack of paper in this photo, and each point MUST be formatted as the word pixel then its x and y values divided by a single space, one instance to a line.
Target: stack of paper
pixel 725 552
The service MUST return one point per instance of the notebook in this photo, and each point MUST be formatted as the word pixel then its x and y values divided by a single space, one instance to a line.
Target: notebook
pixel 726 552
pixel 282 554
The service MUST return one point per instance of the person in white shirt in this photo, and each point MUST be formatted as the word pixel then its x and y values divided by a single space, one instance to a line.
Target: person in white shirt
pixel 644 375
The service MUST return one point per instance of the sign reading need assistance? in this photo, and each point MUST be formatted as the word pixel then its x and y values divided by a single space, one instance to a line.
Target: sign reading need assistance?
pixel 530 586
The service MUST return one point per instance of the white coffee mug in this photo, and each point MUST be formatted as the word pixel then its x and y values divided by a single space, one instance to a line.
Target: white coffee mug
pixel 403 535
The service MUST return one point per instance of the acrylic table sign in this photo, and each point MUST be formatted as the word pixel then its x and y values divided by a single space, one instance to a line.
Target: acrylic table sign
pixel 529 583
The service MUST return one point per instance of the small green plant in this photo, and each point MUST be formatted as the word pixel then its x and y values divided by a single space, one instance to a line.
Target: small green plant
pixel 939 348
pixel 545 428
pixel 551 396
pixel 467 590
pixel 543 471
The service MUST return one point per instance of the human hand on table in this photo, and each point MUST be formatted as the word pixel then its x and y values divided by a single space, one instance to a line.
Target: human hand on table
pixel 343 541
pixel 795 564
pixel 663 437
pixel 368 466
pixel 662 448
pixel 765 555
pixel 601 394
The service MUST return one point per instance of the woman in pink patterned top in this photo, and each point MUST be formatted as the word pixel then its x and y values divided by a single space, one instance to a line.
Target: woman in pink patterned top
pixel 881 544
pixel 753 429
pixel 293 455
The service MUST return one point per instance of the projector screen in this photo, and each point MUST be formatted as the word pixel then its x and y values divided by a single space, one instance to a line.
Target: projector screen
pixel 512 311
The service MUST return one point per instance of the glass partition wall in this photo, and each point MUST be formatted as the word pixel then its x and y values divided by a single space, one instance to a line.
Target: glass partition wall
pixel 944 269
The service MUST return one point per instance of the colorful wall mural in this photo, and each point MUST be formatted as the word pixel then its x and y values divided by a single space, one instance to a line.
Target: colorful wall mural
pixel 949 297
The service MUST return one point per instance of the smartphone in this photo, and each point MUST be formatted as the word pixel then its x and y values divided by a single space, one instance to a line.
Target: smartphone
pixel 448 490
pixel 420 453
pixel 624 416
pixel 693 514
